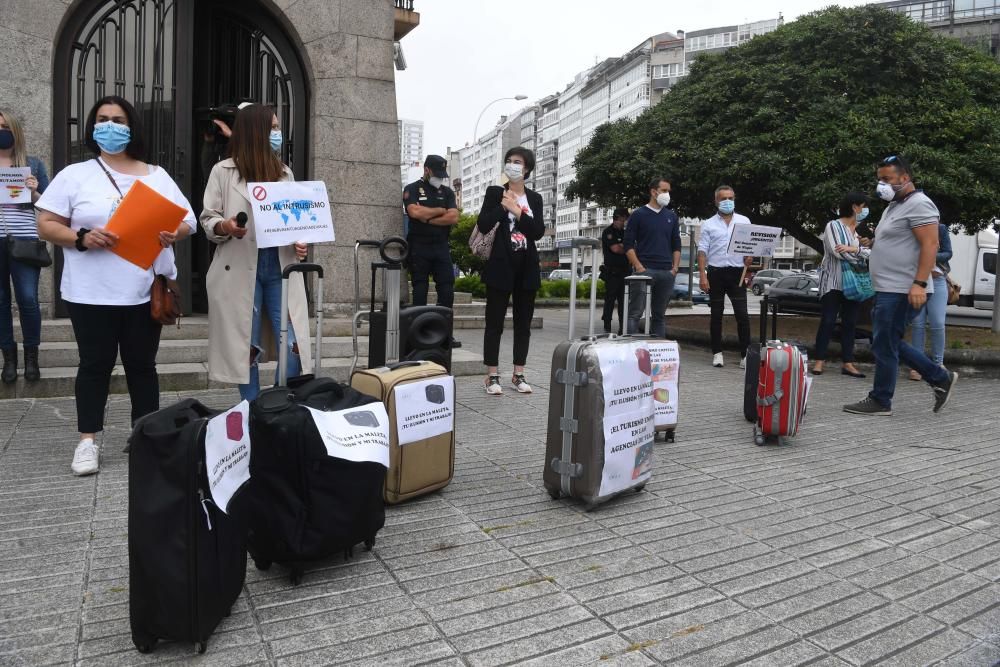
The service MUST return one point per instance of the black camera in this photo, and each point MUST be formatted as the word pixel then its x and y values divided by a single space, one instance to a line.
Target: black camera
pixel 434 393
pixel 225 113
pixel 363 418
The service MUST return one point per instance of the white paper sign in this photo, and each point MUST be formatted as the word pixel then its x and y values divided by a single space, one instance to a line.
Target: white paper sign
pixel 12 185
pixel 753 240
pixel 356 434
pixel 425 409
pixel 290 212
pixel 227 453
pixel 629 415
pixel 665 357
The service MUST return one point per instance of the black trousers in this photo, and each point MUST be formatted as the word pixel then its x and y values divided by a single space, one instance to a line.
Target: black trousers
pixel 723 282
pixel 834 303
pixel 101 333
pixel 431 258
pixel 496 313
pixel 614 297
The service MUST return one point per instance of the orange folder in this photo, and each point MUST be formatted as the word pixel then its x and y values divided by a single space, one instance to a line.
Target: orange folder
pixel 142 214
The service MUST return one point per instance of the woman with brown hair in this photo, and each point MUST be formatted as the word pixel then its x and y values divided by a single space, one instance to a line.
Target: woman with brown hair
pixel 244 280
pixel 19 222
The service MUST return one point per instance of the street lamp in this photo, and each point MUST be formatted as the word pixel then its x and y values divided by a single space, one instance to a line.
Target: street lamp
pixel 475 131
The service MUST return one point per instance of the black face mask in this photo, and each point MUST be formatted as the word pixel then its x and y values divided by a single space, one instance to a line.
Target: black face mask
pixel 6 139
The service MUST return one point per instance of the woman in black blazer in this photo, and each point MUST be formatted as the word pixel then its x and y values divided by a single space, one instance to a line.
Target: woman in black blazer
pixel 512 269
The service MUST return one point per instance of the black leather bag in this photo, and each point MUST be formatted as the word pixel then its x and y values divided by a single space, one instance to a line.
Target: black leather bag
pixel 33 252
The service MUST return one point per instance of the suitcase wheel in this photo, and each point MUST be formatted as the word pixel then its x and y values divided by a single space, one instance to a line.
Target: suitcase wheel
pixel 296 576
pixel 262 564
pixel 669 436
pixel 370 543
pixel 349 552
pixel 201 647
pixel 554 494
pixel 640 488
pixel 144 644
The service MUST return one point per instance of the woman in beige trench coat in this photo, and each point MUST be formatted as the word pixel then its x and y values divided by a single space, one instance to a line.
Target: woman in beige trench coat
pixel 243 281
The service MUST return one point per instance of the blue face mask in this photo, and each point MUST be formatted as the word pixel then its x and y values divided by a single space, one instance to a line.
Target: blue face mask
pixel 727 206
pixel 863 214
pixel 276 139
pixel 112 137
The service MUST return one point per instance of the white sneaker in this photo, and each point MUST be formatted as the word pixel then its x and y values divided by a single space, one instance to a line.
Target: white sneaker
pixel 717 360
pixel 743 362
pixel 493 387
pixel 86 458
pixel 519 383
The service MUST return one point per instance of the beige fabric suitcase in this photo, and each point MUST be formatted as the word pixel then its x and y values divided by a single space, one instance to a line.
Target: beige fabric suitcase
pixel 419 467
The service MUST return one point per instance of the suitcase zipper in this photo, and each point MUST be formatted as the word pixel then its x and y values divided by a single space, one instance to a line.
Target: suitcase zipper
pixel 193 532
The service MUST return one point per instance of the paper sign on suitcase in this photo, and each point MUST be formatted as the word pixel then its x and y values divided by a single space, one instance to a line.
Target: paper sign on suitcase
pixel 665 357
pixel 425 409
pixel 357 434
pixel 628 416
pixel 227 453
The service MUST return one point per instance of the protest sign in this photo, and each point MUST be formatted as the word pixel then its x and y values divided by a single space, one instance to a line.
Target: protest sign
pixel 628 425
pixel 288 212
pixel 12 185
pixel 425 409
pixel 356 434
pixel 227 453
pixel 753 240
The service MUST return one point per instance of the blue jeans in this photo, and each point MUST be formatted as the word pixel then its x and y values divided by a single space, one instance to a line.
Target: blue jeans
pixel 890 317
pixel 267 296
pixel 25 279
pixel 932 318
pixel 663 288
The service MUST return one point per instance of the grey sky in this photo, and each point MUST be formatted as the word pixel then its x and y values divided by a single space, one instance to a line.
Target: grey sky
pixel 466 53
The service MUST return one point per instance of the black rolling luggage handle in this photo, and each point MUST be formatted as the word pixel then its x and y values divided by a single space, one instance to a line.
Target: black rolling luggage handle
pixel 576 244
pixel 766 303
pixel 301 267
pixel 392 265
pixel 648 313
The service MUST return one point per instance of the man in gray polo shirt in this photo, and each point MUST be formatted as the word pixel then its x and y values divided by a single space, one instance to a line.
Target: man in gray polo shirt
pixel 903 255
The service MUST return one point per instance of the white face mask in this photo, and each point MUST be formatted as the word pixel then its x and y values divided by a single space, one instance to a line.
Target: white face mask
pixel 886 191
pixel 436 182
pixel 663 199
pixel 514 172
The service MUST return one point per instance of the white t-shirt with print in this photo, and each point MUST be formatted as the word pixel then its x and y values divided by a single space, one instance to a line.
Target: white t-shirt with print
pixel 518 241
pixel 83 193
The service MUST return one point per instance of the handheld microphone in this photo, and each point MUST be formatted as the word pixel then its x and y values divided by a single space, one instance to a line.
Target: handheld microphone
pixel 241 220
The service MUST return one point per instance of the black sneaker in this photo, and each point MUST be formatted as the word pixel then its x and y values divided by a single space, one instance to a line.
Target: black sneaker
pixel 942 392
pixel 868 406
pixel 454 344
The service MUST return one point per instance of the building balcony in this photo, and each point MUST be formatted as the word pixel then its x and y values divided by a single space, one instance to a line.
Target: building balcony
pixel 406 19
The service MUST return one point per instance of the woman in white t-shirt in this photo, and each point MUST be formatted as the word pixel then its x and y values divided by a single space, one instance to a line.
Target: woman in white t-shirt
pixel 18 221
pixel 107 296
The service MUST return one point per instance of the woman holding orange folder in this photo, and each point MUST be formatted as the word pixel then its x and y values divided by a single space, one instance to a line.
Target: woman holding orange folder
pixel 244 281
pixel 108 296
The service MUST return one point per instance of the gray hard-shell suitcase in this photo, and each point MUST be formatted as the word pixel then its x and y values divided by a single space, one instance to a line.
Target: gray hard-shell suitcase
pixel 575 445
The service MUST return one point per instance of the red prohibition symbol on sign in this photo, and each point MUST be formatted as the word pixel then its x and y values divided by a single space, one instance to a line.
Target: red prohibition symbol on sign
pixel 259 193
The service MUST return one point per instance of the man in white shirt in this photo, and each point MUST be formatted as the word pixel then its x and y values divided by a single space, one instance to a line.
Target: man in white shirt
pixel 721 272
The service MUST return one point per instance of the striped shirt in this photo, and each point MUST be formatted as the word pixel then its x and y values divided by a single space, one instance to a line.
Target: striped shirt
pixel 18 220
pixel 831 270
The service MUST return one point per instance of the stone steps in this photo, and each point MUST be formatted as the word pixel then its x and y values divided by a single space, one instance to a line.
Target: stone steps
pixel 193 376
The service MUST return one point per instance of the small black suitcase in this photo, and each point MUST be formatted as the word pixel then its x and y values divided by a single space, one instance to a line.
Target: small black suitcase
pixel 302 503
pixel 751 377
pixel 187 559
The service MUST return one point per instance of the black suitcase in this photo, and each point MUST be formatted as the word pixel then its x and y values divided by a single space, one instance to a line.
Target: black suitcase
pixel 187 559
pixel 303 504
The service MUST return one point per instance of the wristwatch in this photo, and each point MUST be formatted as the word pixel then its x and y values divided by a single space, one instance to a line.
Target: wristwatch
pixel 80 233
pixel 922 283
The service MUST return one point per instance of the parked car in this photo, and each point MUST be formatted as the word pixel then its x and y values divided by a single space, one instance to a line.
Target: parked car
pixel 797 293
pixel 767 277
pixel 561 274
pixel 681 289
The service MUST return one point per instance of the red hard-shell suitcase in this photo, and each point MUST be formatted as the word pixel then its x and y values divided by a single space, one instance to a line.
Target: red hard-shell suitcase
pixel 778 383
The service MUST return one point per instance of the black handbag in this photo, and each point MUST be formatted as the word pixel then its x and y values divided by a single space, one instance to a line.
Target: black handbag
pixel 33 252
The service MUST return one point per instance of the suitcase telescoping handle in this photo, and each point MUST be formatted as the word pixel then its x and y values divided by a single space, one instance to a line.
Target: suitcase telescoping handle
pixel 576 244
pixel 646 281
pixel 300 267
pixel 765 305
pixel 394 250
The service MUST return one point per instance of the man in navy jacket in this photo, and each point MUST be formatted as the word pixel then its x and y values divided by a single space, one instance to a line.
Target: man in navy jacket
pixel 653 248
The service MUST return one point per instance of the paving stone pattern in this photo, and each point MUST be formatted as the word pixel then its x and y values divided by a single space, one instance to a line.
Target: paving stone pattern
pixel 865 541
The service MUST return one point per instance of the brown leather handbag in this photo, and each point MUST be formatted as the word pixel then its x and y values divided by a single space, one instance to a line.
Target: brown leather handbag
pixel 165 301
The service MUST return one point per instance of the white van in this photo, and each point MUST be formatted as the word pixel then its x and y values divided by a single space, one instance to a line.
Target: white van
pixel 974 267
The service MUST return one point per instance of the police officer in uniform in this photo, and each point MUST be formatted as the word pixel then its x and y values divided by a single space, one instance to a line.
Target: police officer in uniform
pixel 615 268
pixel 431 207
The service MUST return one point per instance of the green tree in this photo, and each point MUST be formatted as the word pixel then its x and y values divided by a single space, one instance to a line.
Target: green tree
pixel 459 242
pixel 796 118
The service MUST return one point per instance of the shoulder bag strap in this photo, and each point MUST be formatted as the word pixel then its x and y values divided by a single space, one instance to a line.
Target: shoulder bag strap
pixel 108 174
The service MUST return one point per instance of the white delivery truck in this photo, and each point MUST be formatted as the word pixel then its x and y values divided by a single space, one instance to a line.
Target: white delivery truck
pixel 974 267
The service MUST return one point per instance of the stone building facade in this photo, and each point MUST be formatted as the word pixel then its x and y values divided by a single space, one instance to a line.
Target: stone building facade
pixel 327 66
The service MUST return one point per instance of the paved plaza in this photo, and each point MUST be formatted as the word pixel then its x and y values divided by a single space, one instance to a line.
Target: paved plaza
pixel 864 541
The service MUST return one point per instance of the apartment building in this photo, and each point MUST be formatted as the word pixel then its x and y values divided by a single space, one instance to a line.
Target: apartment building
pixel 411 149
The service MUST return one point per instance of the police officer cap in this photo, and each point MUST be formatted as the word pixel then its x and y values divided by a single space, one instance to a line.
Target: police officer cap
pixel 438 165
